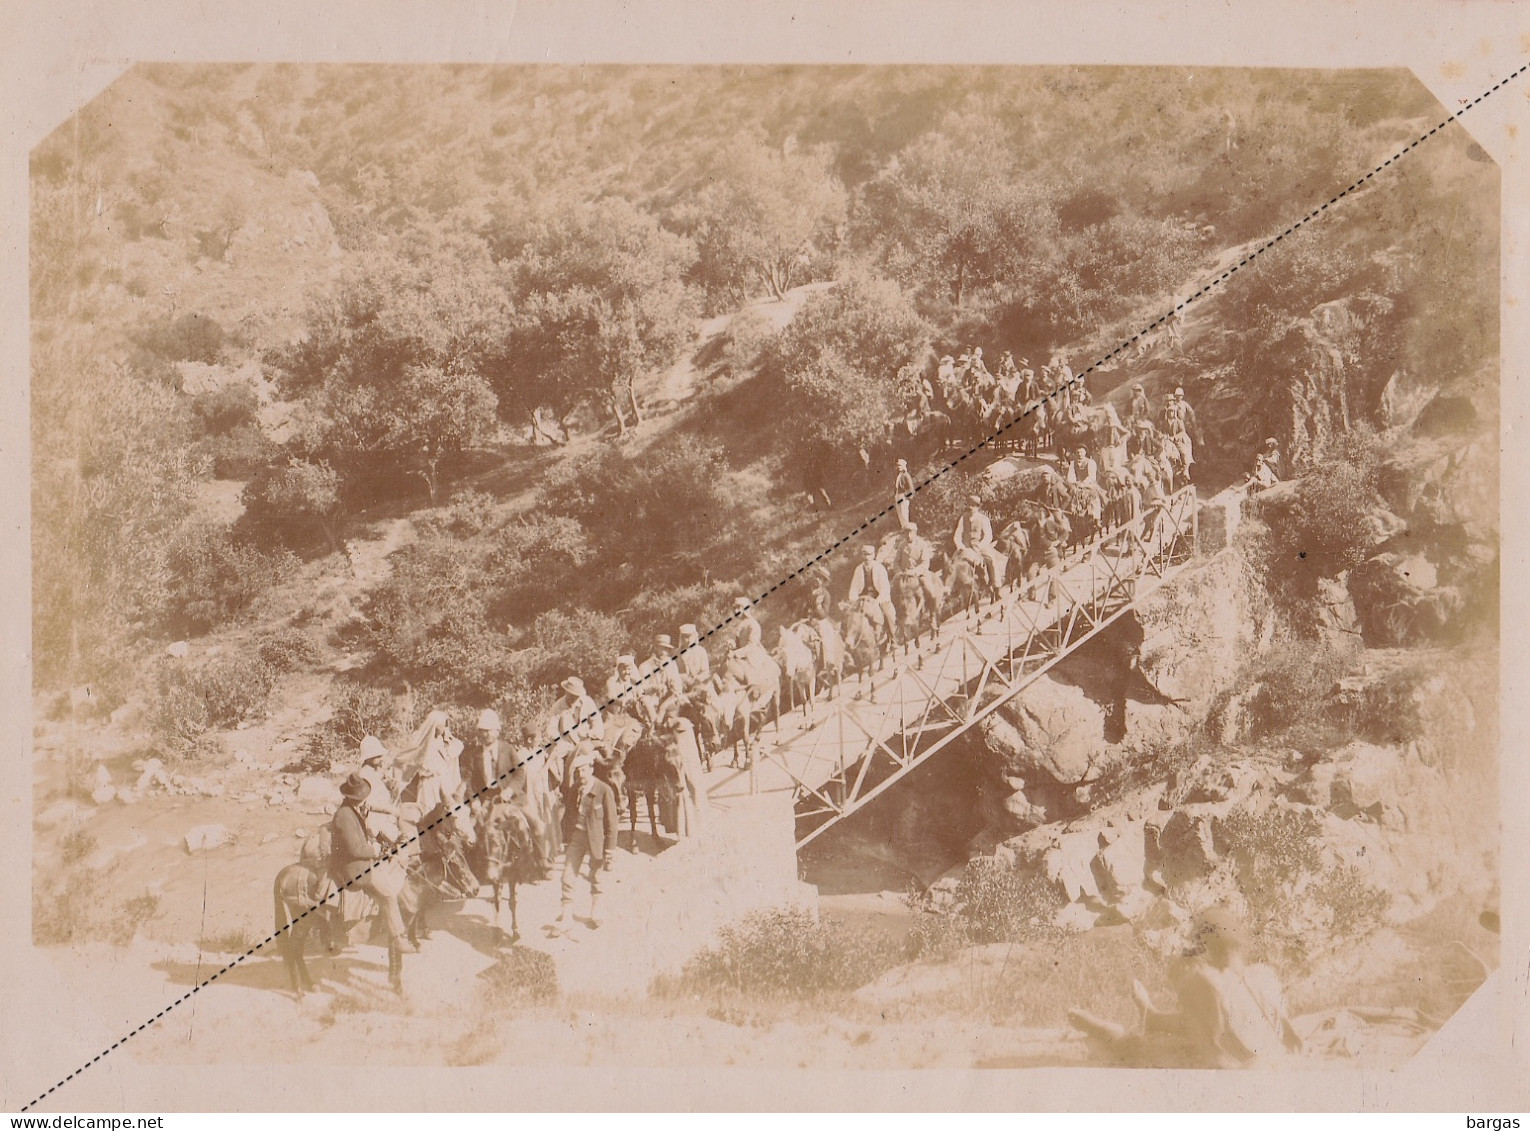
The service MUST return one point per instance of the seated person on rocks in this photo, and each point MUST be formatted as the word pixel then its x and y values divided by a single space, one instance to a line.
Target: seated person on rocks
pixel 1266 471
pixel 1231 1014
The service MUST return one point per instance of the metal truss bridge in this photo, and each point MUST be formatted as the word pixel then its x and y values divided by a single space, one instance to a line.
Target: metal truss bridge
pixel 853 748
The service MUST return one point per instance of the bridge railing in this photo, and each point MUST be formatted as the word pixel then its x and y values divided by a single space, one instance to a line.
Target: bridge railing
pixel 858 748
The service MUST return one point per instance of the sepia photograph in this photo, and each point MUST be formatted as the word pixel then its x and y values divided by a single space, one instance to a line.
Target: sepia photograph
pixel 769 567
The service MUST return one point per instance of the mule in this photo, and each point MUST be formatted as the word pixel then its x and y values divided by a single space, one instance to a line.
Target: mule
pixel 647 770
pixel 863 643
pixel 799 671
pixel 513 857
pixel 304 901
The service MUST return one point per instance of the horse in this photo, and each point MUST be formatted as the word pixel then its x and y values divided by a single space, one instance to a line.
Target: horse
pixel 966 584
pixel 512 854
pixel 800 670
pixel 916 609
pixel 304 903
pixel 863 642
pixel 749 694
pixel 822 637
pixel 648 768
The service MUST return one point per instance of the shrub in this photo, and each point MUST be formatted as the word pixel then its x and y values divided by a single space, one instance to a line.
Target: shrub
pixel 523 977
pixel 219 411
pixel 671 515
pixel 287 649
pixel 751 334
pixel 215 577
pixel 532 563
pixel 993 902
pixel 242 453
pixel 469 513
pixel 295 504
pixel 429 622
pixel 1300 903
pixel 77 906
pixel 785 953
pixel 585 644
pixel 192 698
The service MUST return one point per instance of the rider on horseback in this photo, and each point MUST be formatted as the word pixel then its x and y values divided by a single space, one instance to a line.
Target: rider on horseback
pixel 870 582
pixel 973 537
pixel 912 558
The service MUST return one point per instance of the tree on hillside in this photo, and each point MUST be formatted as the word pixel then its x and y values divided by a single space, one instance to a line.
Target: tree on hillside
pixel 113 482
pixel 392 371
pixel 764 216
pixel 848 364
pixel 950 213
pixel 602 301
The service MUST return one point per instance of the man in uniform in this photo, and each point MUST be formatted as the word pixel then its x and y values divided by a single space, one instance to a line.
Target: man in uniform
pixel 664 682
pixel 594 827
pixel 974 535
pixel 870 578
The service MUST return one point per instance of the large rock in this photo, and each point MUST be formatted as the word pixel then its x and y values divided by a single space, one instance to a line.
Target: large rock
pixel 203 838
pixel 1199 630
pixel 318 791
pixel 1399 602
pixel 1051 731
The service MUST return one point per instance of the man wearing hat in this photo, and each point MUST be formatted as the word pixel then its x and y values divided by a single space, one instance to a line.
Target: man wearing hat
pixel 382 802
pixel 869 579
pixel 903 491
pixel 490 761
pixel 663 672
pixel 1178 421
pixel 911 558
pixel 354 853
pixel 974 536
pixel 622 686
pixel 1266 471
pixel 594 824
pixel 574 719
pixel 1138 408
pixel 695 664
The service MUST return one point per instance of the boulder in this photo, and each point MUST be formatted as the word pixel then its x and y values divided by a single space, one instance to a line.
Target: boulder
pixel 1186 849
pixel 1398 601
pixel 318 791
pixel 1198 631
pixel 179 650
pixel 203 838
pixel 1052 731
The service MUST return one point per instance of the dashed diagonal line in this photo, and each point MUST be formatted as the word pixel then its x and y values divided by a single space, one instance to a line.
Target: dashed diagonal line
pixel 861 528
